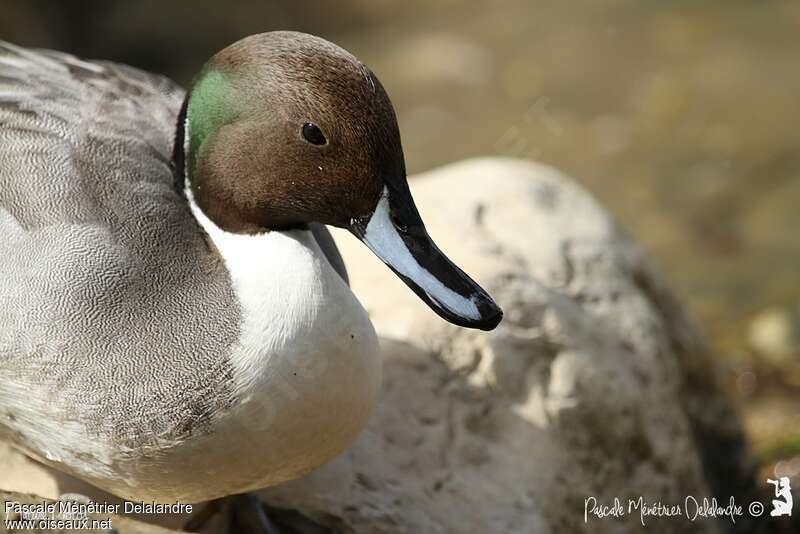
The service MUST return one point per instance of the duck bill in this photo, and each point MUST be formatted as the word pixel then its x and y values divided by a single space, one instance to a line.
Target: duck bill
pixel 396 234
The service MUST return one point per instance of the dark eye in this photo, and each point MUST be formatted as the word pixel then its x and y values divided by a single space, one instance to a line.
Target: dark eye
pixel 313 134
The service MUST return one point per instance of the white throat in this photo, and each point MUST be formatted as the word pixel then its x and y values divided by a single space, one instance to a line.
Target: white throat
pixel 283 283
pixel 304 334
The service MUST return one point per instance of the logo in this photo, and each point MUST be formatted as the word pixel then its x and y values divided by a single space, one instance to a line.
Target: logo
pixel 783 502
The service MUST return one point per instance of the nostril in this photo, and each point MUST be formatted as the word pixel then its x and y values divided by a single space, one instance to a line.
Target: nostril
pixel 400 227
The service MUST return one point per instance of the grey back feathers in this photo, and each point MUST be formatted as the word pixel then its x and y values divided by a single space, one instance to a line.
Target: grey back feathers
pixel 115 313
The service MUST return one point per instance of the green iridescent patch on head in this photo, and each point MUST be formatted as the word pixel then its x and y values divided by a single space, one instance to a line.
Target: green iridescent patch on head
pixel 211 106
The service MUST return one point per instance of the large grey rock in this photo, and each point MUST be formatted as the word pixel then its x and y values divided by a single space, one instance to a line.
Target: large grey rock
pixel 595 385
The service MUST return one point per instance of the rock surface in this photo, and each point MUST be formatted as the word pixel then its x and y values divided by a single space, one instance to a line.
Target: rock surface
pixel 595 385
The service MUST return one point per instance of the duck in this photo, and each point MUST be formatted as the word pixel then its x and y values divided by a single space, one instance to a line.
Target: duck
pixel 177 324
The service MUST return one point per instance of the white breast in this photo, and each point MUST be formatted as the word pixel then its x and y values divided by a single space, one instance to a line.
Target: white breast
pixel 306 368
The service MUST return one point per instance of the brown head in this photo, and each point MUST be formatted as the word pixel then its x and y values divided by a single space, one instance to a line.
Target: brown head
pixel 283 129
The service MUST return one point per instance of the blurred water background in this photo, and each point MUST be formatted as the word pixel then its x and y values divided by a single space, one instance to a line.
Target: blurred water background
pixel 681 116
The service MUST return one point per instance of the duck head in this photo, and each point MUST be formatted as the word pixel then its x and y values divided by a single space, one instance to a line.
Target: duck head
pixel 283 129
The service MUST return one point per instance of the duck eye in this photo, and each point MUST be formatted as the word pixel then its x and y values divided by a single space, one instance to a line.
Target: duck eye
pixel 313 134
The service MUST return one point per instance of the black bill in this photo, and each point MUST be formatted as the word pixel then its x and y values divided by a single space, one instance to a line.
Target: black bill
pixel 396 234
